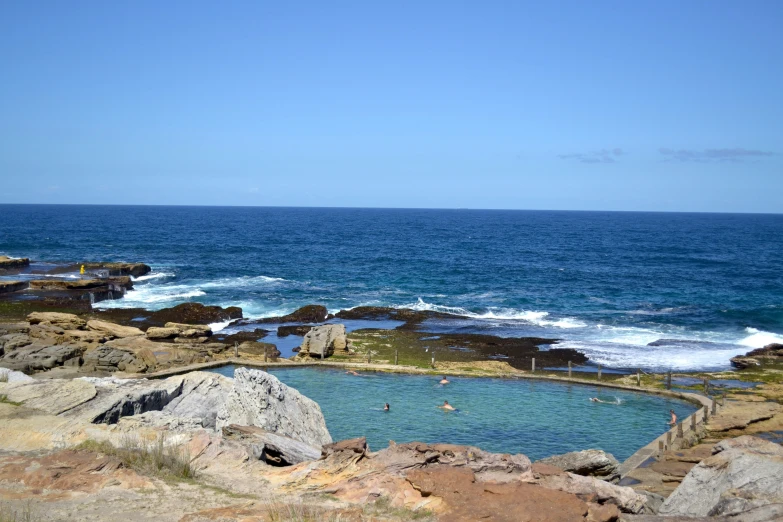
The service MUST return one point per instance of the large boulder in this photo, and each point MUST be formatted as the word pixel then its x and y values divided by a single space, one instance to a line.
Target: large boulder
pixel 52 396
pixel 180 331
pixel 109 359
pixel 194 313
pixel 260 399
pixel 768 354
pixel 588 463
pixel 745 472
pixel 113 330
pixel 323 341
pixel 64 321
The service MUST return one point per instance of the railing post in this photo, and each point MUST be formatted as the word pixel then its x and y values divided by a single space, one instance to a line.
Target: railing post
pixel 714 408
pixel 669 380
pixel 433 361
pixel 599 372
pixel 265 354
pixel 236 349
pixel 639 378
pixel 660 448
pixel 707 386
pixel 693 423
pixel 679 430
pixel 669 439
pixel 569 369
pixel 395 357
pixel 723 400
pixel 533 366
pixel 706 415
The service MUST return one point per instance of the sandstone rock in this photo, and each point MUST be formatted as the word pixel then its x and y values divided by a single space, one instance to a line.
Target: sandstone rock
pixel 271 448
pixel 8 263
pixel 11 376
pixel 113 330
pixel 159 334
pixel 64 321
pixel 740 414
pixel 190 330
pixel 109 359
pixel 12 341
pixel 357 446
pixel 159 420
pixel 260 399
pixel 595 463
pixel 259 349
pixel 487 466
pixel 40 356
pixel 747 469
pixel 323 341
pixel 51 396
pixel 602 513
pixel 202 395
pixel 116 284
pixel 626 499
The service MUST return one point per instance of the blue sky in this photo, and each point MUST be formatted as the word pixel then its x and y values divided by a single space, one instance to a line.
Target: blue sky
pixel 537 105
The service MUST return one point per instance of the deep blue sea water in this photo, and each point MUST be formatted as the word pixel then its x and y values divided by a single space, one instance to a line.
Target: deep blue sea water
pixel 607 283
pixel 498 415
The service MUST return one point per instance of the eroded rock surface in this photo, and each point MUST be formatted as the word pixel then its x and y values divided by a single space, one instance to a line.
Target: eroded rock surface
pixel 745 472
pixel 595 463
pixel 260 399
pixel 324 341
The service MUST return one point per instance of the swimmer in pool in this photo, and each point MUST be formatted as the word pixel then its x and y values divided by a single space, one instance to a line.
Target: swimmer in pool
pixel 351 372
pixel 446 406
pixel 444 380
pixel 596 399
pixel 673 420
pixel 386 407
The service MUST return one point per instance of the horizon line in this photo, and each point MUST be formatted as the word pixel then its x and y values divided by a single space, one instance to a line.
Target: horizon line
pixel 390 208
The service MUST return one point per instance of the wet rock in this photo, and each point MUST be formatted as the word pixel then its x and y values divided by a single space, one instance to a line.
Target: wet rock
pixel 324 341
pixel 297 329
pixel 8 263
pixel 193 314
pixel 260 399
pixel 118 269
pixel 64 321
pixel 411 318
pixel 306 314
pixel 6 287
pixel 759 356
pixel 271 448
pixel 744 473
pixel 588 463
pixel 240 337
pixel 113 330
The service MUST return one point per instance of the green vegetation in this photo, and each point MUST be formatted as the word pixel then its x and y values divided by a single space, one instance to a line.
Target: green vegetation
pixel 4 400
pixel 412 348
pixel 383 508
pixel 156 458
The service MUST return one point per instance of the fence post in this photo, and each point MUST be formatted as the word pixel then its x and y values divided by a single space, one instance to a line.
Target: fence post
pixel 533 366
pixel 639 378
pixel 669 439
pixel 669 380
pixel 714 408
pixel 660 448
pixel 599 372
pixel 433 361
pixel 706 415
pixel 395 357
pixel 369 357
pixel 707 386
pixel 569 369
pixel 265 356
pixel 723 400
pixel 679 430
pixel 693 423
pixel 236 349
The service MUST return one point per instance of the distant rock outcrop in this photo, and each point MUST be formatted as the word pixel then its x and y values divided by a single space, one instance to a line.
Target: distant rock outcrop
pixel 324 341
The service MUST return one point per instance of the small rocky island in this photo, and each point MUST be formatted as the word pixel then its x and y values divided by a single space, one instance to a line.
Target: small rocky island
pixel 105 416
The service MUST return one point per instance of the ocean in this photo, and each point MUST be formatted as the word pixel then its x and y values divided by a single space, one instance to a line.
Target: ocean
pixel 605 283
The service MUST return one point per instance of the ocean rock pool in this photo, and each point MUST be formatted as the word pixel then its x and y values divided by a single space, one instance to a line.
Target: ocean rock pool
pixel 537 418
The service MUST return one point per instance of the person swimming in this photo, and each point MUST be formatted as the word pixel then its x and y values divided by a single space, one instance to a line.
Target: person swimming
pixel 446 406
pixel 673 420
pixel 351 372
pixel 444 380
pixel 596 399
pixel 386 407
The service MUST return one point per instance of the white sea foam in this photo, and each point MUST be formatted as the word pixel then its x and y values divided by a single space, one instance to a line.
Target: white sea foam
pixel 153 296
pixel 242 282
pixel 760 338
pixel 500 314
pixel 152 275
pixel 216 327
pixel 675 357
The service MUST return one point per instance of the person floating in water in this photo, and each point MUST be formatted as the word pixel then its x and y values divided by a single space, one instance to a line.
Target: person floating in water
pixel 673 420
pixel 444 380
pixel 596 399
pixel 351 372
pixel 386 407
pixel 446 406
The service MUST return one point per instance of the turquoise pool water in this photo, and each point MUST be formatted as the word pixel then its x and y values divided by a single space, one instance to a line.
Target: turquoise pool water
pixel 537 418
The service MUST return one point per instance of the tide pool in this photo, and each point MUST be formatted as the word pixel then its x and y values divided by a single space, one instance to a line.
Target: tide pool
pixel 537 418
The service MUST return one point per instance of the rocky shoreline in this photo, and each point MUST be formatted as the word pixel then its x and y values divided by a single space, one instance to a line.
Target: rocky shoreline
pixel 71 399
